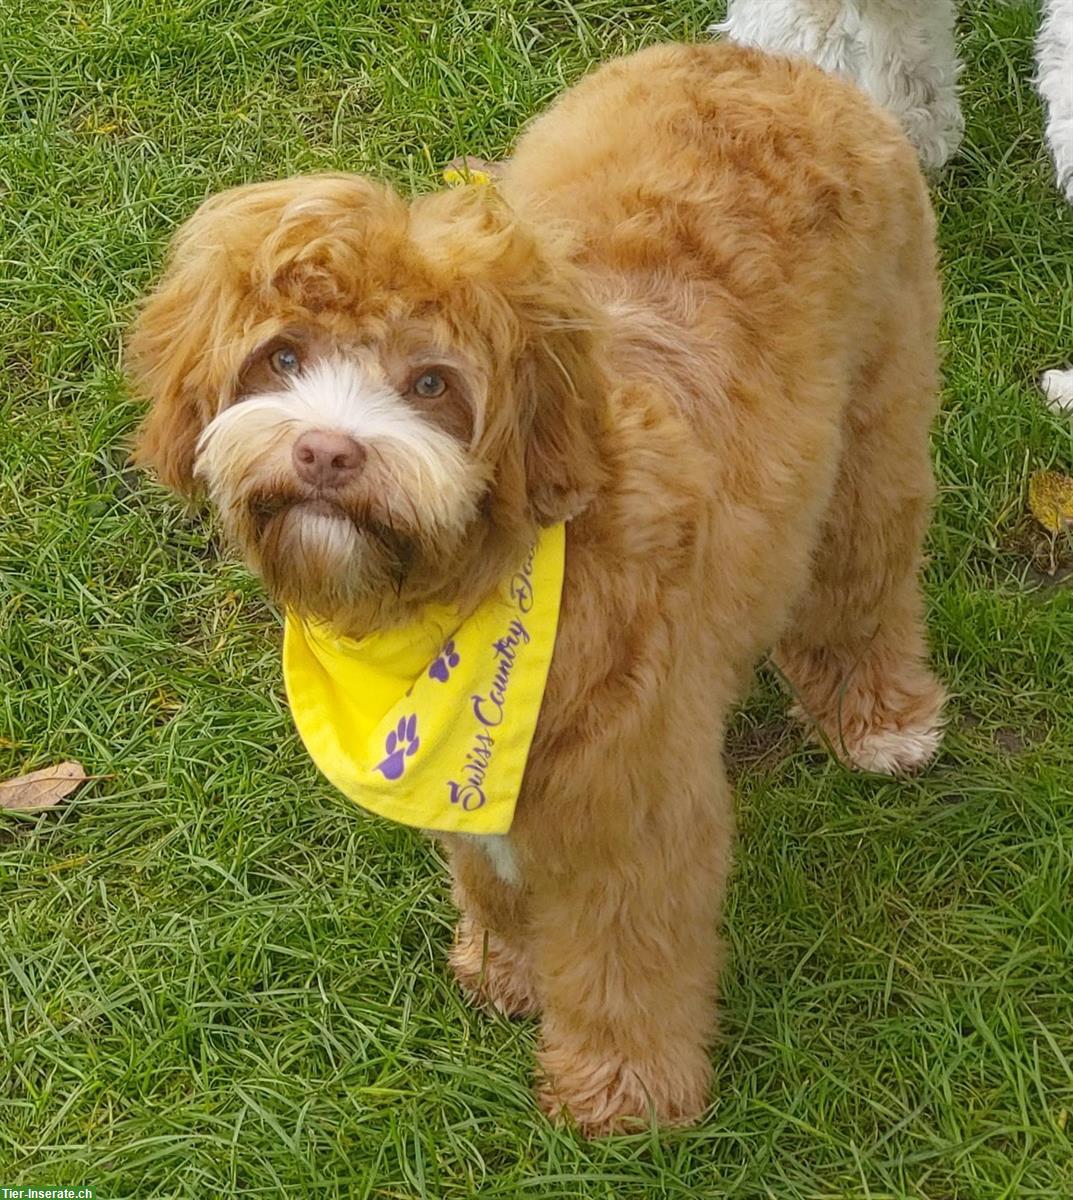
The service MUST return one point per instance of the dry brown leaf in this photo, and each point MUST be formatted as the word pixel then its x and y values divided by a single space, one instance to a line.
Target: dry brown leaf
pixel 1050 497
pixel 41 789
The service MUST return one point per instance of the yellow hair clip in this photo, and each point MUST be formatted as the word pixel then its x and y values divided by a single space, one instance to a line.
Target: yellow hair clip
pixel 468 170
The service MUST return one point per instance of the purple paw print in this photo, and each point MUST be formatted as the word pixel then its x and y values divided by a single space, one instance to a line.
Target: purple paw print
pixel 446 662
pixel 401 743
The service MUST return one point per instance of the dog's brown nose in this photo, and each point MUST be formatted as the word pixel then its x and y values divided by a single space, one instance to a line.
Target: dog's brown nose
pixel 327 459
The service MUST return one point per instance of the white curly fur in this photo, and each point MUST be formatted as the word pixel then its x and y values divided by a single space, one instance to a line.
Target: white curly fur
pixel 1054 79
pixel 900 51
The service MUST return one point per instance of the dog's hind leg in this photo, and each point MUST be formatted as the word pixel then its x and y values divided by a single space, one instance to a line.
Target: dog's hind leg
pixel 909 64
pixel 855 654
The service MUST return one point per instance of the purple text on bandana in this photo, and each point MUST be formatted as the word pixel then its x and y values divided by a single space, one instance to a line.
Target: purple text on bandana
pixel 521 585
pixel 469 794
pixel 489 709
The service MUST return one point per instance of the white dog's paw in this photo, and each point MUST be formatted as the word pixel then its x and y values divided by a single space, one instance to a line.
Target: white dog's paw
pixel 1057 386
pixel 936 130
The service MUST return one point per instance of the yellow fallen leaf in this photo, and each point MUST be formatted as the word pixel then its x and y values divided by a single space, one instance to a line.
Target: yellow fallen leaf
pixel 1050 497
pixel 41 789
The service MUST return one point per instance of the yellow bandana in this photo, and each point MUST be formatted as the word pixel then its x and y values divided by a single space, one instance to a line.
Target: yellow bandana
pixel 431 725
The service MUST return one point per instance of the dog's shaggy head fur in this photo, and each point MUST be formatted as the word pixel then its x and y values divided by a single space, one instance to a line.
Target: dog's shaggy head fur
pixel 446 344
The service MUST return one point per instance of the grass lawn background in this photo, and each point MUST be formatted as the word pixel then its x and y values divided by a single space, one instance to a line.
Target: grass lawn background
pixel 217 977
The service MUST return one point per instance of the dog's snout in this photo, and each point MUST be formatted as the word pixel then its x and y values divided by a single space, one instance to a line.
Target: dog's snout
pixel 327 459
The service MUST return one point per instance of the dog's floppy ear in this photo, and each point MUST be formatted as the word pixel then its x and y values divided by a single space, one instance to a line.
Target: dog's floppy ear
pixel 180 351
pixel 566 391
pixel 527 299
pixel 165 363
pixel 174 356
pixel 173 362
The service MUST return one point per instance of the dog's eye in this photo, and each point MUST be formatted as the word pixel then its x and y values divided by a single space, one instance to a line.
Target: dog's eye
pixel 286 361
pixel 429 385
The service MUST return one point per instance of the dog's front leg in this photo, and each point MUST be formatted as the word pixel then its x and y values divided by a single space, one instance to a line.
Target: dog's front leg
pixel 624 938
pixel 490 955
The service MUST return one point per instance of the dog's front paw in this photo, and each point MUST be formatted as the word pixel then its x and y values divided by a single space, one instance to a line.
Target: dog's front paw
pixel 603 1096
pixel 492 973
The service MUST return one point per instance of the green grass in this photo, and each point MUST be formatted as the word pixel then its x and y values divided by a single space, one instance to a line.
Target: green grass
pixel 216 977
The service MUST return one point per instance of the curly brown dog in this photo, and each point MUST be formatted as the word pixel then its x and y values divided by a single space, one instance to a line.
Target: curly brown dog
pixel 696 320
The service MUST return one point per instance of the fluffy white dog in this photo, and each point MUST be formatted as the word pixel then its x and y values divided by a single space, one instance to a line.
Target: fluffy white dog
pixel 904 54
pixel 1054 77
